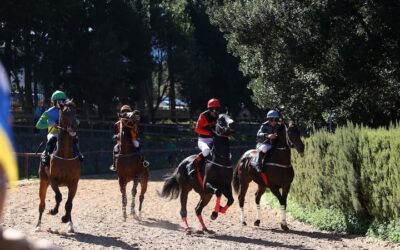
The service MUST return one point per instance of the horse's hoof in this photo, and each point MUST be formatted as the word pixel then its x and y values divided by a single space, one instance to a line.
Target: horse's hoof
pixel 38 229
pixel 64 219
pixel 243 223
pixel 214 215
pixel 70 228
pixel 257 223
pixel 284 227
pixel 188 231
pixel 209 231
pixel 53 211
pixel 200 232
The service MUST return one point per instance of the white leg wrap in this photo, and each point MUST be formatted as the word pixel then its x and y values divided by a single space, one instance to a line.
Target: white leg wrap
pixel 258 212
pixel 70 227
pixel 242 214
pixel 283 215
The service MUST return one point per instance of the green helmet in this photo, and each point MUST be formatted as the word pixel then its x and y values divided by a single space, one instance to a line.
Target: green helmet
pixel 58 95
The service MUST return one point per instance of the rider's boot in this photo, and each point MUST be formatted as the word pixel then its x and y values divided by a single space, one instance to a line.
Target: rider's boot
pixel 191 167
pixel 144 162
pixel 45 157
pixel 76 149
pixel 260 159
pixel 115 152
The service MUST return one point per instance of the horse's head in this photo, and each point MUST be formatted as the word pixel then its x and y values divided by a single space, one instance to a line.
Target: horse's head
pixel 293 137
pixel 67 117
pixel 225 125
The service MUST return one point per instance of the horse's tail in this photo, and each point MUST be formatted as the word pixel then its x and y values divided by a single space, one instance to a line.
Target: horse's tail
pixel 171 188
pixel 235 180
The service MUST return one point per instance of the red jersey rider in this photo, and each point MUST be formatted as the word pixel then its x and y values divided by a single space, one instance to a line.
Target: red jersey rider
pixel 205 128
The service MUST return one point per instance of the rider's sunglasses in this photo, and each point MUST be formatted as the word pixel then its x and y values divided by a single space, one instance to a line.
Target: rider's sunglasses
pixel 273 119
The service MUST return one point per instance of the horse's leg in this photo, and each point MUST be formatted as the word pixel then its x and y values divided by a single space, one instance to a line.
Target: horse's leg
pixel 259 193
pixel 184 198
pixel 282 201
pixel 72 188
pixel 134 192
pixel 244 185
pixel 229 196
pixel 122 187
pixel 58 197
pixel 44 184
pixel 144 179
pixel 204 200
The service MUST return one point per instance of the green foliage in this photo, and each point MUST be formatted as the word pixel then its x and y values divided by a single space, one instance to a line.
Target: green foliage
pixel 318 56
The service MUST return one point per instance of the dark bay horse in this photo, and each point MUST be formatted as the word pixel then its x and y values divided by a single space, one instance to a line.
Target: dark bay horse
pixel 277 167
pixel 129 166
pixel 215 179
pixel 65 169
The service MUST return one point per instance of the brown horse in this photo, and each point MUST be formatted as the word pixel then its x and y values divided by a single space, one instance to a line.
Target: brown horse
pixel 130 167
pixel 217 177
pixel 277 167
pixel 65 169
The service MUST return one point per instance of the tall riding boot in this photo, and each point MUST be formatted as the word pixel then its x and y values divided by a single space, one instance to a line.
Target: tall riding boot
pixel 260 159
pixel 45 157
pixel 115 152
pixel 76 149
pixel 191 167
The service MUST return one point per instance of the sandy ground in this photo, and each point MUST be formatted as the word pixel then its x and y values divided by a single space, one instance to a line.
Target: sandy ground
pixel 98 222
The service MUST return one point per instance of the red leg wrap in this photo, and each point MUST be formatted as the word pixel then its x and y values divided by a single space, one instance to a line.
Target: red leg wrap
pixel 217 205
pixel 223 210
pixel 264 178
pixel 203 226
pixel 185 224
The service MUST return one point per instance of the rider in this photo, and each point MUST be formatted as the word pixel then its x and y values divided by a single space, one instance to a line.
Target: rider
pixel 265 137
pixel 49 120
pixel 126 112
pixel 205 128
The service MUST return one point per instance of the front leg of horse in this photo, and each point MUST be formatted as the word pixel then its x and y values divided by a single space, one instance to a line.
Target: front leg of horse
pixel 205 199
pixel 282 201
pixel 134 192
pixel 42 195
pixel 122 186
pixel 229 196
pixel 58 198
pixel 67 218
pixel 143 188
pixel 213 190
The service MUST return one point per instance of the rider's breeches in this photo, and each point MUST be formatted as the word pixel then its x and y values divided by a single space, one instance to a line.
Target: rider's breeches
pixel 204 145
pixel 135 143
pixel 51 143
pixel 264 147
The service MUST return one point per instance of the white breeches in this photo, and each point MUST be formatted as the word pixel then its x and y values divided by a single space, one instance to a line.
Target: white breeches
pixel 204 145
pixel 49 136
pixel 135 143
pixel 264 147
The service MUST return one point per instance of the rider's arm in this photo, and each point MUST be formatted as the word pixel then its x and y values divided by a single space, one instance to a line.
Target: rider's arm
pixel 202 126
pixel 43 121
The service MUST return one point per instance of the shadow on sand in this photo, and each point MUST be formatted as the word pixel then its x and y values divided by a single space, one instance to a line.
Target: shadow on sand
pixel 100 240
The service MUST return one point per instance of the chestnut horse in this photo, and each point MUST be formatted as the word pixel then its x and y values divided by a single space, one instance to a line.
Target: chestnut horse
pixel 217 177
pixel 277 167
pixel 65 169
pixel 130 167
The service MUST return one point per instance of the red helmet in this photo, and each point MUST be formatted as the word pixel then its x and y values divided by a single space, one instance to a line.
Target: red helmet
pixel 213 103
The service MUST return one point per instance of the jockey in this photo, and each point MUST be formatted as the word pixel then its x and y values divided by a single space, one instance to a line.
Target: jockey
pixel 265 137
pixel 126 112
pixel 205 128
pixel 49 120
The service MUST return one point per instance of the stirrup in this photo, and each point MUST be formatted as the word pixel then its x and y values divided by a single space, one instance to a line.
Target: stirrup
pixel 112 168
pixel 146 163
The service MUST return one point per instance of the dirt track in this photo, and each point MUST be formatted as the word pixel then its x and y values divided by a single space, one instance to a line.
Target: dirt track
pixel 98 222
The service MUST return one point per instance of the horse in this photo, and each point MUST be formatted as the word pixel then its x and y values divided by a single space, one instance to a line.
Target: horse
pixel 277 167
pixel 130 167
pixel 214 179
pixel 65 169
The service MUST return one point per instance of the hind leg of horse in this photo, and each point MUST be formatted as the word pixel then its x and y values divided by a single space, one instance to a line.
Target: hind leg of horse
pixel 241 197
pixel 144 179
pixel 67 218
pixel 282 201
pixel 259 193
pixel 205 199
pixel 122 187
pixel 184 198
pixel 134 192
pixel 58 197
pixel 44 184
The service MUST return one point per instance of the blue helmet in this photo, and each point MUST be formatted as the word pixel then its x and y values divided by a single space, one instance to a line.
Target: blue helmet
pixel 272 114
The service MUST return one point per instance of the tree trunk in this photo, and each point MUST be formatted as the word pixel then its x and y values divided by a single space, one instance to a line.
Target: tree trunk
pixel 28 74
pixel 171 76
